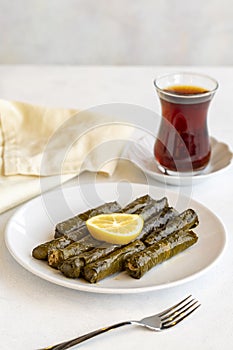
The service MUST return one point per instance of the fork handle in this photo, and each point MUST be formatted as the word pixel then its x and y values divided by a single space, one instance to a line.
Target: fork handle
pixel 75 341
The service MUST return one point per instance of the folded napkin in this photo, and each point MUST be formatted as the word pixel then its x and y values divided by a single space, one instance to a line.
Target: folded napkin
pixel 57 144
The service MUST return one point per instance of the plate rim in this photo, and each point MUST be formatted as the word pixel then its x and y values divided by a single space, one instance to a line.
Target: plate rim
pixel 109 290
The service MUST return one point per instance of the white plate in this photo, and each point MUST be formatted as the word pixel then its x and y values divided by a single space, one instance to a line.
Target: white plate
pixel 140 153
pixel 34 223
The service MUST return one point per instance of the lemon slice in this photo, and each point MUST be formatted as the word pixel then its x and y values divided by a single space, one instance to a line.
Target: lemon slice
pixel 116 228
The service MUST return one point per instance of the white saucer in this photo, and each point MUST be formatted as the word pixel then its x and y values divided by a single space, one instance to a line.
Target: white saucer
pixel 141 153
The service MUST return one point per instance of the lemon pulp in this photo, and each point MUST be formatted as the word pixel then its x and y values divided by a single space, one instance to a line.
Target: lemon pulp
pixel 116 228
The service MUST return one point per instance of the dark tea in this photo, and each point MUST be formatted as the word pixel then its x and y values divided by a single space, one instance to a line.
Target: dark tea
pixel 189 121
pixel 182 143
pixel 186 90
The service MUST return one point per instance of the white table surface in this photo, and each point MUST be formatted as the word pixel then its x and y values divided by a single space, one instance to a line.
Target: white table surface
pixel 34 312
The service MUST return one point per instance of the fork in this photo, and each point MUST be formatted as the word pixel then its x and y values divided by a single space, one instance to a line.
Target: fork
pixel 159 322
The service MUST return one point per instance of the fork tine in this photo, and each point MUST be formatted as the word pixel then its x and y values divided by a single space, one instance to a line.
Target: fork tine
pixel 165 312
pixel 177 310
pixel 180 314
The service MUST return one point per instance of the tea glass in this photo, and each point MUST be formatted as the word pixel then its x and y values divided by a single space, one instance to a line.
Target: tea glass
pixel 183 142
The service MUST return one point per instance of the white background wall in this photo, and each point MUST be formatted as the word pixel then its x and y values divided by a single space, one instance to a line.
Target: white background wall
pixel 148 32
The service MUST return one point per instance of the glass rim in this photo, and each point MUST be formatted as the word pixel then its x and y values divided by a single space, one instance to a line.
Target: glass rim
pixel 170 93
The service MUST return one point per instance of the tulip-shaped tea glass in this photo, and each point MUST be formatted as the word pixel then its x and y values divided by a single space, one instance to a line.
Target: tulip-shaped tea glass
pixel 183 143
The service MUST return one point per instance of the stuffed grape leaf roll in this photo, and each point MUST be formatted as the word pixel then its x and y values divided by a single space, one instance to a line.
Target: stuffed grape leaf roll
pixel 157 221
pixel 186 220
pixel 139 263
pixel 112 263
pixel 72 267
pixel 77 221
pixel 57 256
pixel 41 251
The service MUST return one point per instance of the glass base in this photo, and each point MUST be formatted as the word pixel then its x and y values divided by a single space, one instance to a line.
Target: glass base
pixel 180 173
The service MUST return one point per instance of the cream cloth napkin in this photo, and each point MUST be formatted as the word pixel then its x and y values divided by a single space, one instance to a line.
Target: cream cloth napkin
pixel 38 142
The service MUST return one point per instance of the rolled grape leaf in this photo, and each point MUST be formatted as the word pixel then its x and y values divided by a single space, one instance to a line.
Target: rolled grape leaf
pixel 112 263
pixel 57 256
pixel 78 234
pixel 157 221
pixel 139 263
pixel 41 251
pixel 137 204
pixel 73 266
pixel 186 220
pixel 153 208
pixel 74 223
